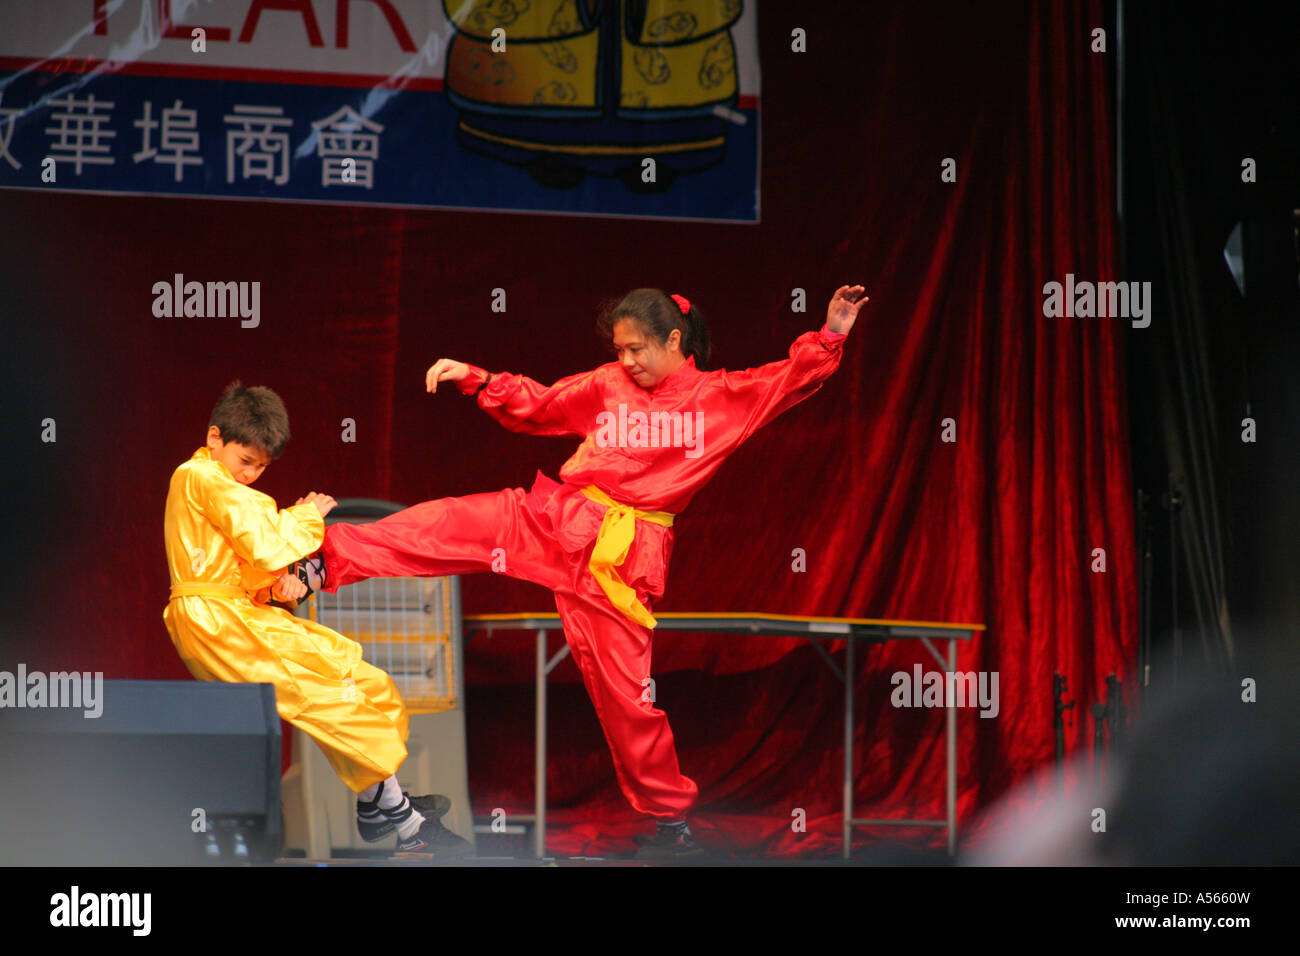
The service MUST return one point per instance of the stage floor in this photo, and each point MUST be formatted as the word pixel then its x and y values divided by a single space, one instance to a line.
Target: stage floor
pixel 513 862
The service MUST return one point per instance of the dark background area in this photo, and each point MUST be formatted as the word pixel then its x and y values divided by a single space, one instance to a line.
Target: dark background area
pixel 1202 94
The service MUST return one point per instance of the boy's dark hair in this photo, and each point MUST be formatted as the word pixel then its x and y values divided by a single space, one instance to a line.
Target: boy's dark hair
pixel 252 416
pixel 658 315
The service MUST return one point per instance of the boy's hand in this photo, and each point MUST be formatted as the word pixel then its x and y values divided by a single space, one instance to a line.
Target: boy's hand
pixel 444 370
pixel 324 503
pixel 288 588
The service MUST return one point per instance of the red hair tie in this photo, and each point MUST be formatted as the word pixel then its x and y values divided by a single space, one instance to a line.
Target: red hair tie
pixel 683 303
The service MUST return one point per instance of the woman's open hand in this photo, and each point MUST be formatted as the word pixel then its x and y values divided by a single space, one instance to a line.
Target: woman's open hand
pixel 444 370
pixel 845 305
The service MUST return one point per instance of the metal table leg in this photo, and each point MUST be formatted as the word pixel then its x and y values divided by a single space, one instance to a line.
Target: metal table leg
pixel 952 755
pixel 539 752
pixel 544 667
pixel 950 734
pixel 847 836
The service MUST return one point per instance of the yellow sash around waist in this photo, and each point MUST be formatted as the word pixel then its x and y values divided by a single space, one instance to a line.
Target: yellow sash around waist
pixel 612 542
pixel 205 589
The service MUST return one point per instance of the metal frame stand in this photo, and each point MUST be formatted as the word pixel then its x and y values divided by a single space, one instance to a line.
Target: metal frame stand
pixel 950 732
pixel 851 630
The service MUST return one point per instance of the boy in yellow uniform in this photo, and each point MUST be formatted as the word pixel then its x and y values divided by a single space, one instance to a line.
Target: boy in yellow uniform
pixel 231 553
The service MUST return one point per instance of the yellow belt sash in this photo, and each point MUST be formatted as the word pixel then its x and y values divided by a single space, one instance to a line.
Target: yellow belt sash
pixel 204 589
pixel 612 542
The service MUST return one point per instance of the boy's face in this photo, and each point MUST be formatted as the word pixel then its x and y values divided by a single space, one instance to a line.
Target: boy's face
pixel 246 463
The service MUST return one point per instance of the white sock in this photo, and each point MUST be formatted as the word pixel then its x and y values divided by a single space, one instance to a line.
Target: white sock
pixel 392 801
pixel 368 794
pixel 412 823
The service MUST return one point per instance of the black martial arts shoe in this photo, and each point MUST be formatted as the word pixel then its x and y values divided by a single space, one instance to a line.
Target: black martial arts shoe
pixel 374 822
pixel 434 806
pixel 311 572
pixel 672 841
pixel 434 841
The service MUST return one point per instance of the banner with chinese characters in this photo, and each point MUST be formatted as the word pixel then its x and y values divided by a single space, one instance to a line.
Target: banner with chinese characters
pixel 644 108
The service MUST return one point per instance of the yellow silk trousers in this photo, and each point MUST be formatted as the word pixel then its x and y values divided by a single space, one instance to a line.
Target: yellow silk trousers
pixel 351 709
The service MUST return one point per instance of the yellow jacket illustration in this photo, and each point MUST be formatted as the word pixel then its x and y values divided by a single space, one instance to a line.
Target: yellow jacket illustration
pixel 566 88
pixel 664 54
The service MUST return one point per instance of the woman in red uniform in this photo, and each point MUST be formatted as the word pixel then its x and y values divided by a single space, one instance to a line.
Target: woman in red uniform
pixel 655 427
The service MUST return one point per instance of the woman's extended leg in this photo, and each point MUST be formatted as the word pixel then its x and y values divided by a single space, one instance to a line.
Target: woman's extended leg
pixel 495 531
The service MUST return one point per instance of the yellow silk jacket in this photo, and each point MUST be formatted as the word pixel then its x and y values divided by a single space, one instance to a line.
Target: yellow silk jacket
pixel 226 545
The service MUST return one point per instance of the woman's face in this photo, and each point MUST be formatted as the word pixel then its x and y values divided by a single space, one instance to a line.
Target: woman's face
pixel 644 360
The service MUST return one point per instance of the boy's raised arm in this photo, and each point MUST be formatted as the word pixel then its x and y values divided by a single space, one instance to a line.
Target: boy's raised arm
pixel 264 536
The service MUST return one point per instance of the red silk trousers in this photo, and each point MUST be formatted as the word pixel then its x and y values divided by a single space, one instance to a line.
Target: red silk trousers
pixel 546 536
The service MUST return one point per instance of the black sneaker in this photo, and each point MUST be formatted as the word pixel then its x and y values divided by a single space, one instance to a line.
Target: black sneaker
pixel 434 841
pixel 434 806
pixel 670 842
pixel 374 822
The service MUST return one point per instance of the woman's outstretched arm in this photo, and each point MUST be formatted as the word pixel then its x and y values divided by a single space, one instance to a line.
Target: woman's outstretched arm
pixel 763 393
pixel 569 407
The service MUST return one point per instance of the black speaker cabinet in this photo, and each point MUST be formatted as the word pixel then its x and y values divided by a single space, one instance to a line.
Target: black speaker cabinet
pixel 169 772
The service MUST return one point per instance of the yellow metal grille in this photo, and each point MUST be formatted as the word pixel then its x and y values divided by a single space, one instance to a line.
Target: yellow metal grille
pixel 404 627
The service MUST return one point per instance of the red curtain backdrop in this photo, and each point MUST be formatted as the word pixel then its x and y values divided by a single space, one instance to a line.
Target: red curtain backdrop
pixel 998 527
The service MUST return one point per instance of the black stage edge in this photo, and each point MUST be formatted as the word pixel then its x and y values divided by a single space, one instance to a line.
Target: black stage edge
pixel 341 905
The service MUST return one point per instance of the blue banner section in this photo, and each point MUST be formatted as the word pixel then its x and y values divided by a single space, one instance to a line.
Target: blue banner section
pixel 115 132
